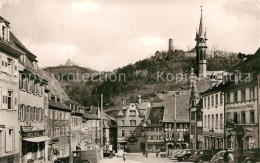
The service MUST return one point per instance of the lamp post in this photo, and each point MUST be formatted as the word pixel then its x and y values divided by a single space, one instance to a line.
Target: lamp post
pixel 175 125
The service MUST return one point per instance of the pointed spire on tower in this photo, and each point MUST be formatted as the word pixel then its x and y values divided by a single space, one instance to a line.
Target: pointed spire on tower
pixel 201 27
pixel 196 34
pixel 205 34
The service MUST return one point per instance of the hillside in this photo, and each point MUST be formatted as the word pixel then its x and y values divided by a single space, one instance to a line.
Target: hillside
pixel 141 77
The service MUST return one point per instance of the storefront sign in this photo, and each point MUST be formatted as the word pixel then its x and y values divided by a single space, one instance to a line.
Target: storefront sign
pixel 32 133
pixel 132 139
pixel 240 107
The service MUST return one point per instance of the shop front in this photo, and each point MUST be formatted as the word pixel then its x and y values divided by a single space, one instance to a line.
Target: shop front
pixel 33 146
pixel 213 140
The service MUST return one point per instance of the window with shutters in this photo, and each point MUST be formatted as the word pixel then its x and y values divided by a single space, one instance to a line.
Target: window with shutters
pixel 252 93
pixel 41 116
pixel 27 113
pixel 252 116
pixel 205 121
pixel 38 113
pixel 221 99
pixel 212 100
pixel 243 95
pixel 31 113
pixel 21 113
pixel 217 122
pixel 216 99
pixel 51 115
pixel 10 100
pixel 221 121
pixel 228 98
pixel 235 98
pixel 123 133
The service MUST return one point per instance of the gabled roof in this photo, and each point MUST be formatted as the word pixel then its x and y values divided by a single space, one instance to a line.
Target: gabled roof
pixel 16 43
pixel 182 108
pixel 155 115
pixel 143 105
pixel 3 20
pixel 216 88
pixel 120 113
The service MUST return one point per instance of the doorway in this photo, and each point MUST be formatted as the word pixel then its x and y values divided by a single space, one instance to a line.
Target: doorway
pixel 142 147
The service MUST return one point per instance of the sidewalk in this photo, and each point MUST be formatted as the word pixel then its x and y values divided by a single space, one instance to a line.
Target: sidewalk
pixel 116 160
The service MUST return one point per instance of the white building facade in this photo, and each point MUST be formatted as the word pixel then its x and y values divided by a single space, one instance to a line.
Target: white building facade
pixel 213 117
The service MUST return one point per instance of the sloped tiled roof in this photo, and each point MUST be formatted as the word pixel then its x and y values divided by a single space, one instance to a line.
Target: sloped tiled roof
pixel 250 63
pixel 182 108
pixel 55 87
pixel 143 105
pixel 216 88
pixel 202 85
pixel 155 115
pixel 58 105
pixel 90 116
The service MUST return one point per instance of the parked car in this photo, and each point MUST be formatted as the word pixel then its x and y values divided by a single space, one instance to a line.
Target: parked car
pixel 85 156
pixel 184 155
pixel 174 153
pixel 218 157
pixel 203 155
pixel 248 156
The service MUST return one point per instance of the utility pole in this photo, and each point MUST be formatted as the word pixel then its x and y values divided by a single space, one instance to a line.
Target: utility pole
pixel 225 136
pixel 69 137
pixel 175 127
pixel 101 126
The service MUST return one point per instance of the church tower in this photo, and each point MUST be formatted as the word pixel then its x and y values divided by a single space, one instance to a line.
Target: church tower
pixel 201 48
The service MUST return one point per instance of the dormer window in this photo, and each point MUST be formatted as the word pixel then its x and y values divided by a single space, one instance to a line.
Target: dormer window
pixel 5 33
pixel 35 65
pixel 149 121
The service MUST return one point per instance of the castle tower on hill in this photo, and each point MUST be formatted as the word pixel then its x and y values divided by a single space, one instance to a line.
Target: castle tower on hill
pixel 201 48
pixel 70 63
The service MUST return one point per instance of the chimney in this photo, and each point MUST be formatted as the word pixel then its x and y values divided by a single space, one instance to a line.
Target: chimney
pixel 237 76
pixel 123 102
pixel 171 48
pixel 139 99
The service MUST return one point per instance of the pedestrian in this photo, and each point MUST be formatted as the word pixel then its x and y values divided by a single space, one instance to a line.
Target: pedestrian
pixel 157 153
pixel 230 157
pixel 124 156
pixel 146 154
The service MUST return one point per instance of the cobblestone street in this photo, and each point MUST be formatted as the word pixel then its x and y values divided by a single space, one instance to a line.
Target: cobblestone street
pixel 138 158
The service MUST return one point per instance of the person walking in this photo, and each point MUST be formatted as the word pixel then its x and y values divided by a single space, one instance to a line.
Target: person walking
pixel 124 156
pixel 146 154
pixel 231 157
pixel 157 153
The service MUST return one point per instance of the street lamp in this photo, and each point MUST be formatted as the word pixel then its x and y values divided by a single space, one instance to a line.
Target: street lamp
pixel 175 125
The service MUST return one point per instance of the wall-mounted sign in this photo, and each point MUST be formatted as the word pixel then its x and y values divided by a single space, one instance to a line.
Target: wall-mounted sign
pixel 33 133
pixel 240 107
pixel 27 123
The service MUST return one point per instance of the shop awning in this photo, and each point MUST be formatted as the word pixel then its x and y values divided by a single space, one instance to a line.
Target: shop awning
pixel 37 139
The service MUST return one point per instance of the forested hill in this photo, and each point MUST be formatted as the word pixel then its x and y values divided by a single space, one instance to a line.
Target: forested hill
pixel 141 77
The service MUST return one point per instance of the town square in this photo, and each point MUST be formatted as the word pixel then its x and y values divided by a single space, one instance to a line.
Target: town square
pixel 114 81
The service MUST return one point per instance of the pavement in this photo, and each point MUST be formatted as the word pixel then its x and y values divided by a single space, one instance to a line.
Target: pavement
pixel 138 158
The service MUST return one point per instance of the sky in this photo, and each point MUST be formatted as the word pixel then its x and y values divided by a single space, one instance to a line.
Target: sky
pixel 105 35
